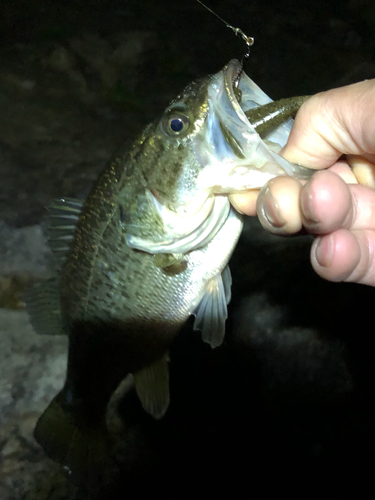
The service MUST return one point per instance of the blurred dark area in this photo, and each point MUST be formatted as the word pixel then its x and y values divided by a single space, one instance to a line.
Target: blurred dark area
pixel 79 79
pixel 285 408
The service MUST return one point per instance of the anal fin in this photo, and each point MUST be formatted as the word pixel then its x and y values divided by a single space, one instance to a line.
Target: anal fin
pixel 152 387
pixel 211 313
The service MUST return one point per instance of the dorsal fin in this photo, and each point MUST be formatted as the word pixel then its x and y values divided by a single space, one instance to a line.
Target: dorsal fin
pixel 43 307
pixel 43 300
pixel 63 216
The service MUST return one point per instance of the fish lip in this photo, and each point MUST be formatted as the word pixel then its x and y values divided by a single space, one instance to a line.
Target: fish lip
pixel 231 79
pixel 232 74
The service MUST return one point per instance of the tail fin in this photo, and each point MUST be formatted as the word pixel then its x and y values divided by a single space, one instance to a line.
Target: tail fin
pixel 79 445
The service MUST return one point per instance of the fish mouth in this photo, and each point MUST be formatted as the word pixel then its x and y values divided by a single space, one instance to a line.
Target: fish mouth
pixel 236 157
pixel 240 95
pixel 235 132
pixel 231 105
pixel 232 74
pixel 244 95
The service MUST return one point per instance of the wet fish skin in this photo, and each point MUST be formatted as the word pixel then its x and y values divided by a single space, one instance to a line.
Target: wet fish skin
pixel 120 306
pixel 103 280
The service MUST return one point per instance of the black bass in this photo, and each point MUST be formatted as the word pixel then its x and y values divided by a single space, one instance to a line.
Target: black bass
pixel 148 248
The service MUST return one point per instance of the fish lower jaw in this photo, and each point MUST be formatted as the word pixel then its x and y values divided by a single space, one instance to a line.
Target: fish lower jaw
pixel 180 238
pixel 243 176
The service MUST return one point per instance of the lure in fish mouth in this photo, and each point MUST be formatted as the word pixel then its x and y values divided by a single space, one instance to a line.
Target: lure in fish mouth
pixel 254 129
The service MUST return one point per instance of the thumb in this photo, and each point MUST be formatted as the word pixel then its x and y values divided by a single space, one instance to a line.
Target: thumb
pixel 333 123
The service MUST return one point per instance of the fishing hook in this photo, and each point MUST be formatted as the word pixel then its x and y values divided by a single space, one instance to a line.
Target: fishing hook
pixel 249 40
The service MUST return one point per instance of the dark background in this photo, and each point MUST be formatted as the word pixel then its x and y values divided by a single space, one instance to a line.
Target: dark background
pixel 285 408
pixel 88 75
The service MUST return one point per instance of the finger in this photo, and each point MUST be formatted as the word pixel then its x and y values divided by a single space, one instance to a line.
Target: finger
pixel 245 203
pixel 345 256
pixel 325 203
pixel 278 206
pixel 328 204
pixel 342 169
pixel 333 123
pixel 363 170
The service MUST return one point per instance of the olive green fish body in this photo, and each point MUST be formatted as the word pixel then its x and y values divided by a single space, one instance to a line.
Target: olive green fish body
pixel 149 248
pixel 120 291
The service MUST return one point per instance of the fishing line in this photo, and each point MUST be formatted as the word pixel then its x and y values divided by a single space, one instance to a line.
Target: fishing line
pixel 237 31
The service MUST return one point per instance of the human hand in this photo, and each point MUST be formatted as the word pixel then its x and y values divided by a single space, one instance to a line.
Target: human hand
pixel 331 205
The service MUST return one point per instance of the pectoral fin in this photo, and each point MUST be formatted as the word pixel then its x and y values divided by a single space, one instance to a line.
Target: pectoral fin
pixel 152 386
pixel 211 313
pixel 227 282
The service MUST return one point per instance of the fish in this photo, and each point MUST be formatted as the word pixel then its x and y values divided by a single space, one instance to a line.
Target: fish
pixel 148 248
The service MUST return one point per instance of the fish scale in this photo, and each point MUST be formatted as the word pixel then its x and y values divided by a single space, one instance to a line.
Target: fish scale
pixel 148 289
pixel 148 248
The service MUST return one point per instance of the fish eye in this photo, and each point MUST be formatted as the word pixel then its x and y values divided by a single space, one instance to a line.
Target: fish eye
pixel 175 124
